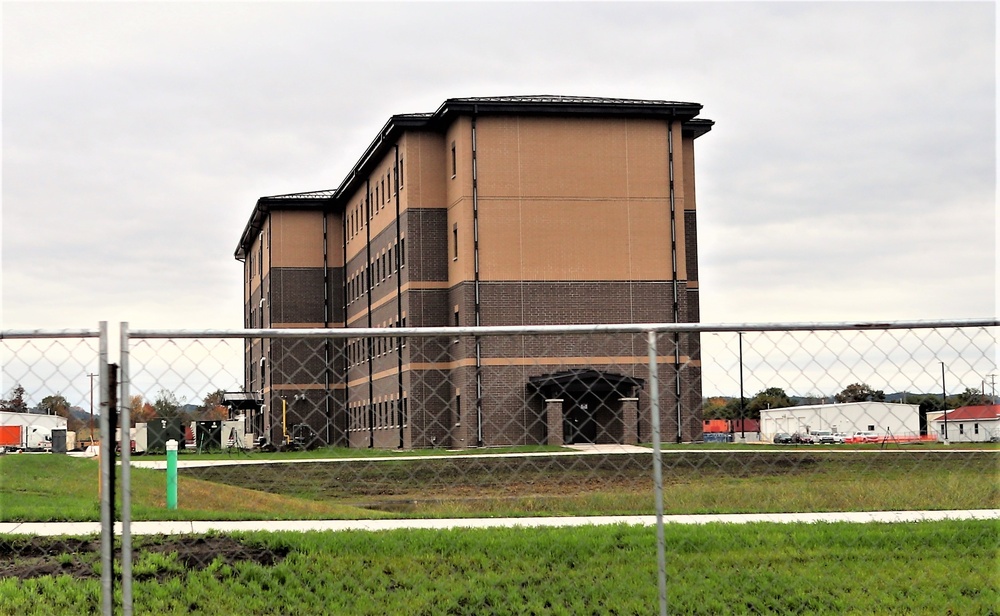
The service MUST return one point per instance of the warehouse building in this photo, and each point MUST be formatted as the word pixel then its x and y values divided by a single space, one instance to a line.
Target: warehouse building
pixel 488 211
pixel 884 419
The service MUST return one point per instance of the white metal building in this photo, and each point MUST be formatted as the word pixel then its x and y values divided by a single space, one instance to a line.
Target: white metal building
pixel 882 418
pixel 36 426
pixel 32 420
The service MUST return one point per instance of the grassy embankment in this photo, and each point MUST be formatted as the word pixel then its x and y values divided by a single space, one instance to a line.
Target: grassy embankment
pixel 53 488
pixel 915 568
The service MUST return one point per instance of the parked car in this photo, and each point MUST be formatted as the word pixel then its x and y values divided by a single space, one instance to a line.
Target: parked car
pixel 823 437
pixel 782 438
pixel 863 437
pixel 803 439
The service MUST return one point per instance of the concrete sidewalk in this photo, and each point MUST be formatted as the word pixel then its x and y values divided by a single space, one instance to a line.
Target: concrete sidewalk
pixel 200 527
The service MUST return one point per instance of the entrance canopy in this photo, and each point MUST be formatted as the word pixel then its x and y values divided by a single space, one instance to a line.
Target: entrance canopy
pixel 576 382
pixel 241 400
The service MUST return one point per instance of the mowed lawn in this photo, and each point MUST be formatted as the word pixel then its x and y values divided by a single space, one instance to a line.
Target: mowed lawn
pixel 828 568
pixel 912 568
pixel 62 488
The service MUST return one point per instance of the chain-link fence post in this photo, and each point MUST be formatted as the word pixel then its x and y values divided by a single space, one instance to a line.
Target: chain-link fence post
pixel 654 406
pixel 107 453
pixel 126 427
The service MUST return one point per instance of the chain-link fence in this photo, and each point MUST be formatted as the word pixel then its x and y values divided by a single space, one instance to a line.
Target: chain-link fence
pixel 518 423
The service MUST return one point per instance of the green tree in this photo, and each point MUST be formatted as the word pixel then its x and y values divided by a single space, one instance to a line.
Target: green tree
pixel 58 405
pixel 16 403
pixel 770 398
pixel 860 392
pixel 714 407
pixel 166 405
pixel 55 405
pixel 969 397
pixel 212 407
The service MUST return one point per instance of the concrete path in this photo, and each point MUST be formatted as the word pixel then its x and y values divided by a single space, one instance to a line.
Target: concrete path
pixel 201 527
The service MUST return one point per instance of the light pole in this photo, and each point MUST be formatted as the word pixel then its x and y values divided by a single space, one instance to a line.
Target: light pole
pixel 743 435
pixel 91 407
pixel 944 404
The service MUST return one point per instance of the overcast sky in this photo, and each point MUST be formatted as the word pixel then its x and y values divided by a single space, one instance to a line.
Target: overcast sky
pixel 851 173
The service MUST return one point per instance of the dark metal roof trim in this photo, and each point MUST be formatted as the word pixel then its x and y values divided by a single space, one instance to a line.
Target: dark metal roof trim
pixel 583 380
pixel 545 104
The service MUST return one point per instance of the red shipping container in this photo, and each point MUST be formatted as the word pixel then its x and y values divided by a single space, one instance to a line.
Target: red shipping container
pixel 10 436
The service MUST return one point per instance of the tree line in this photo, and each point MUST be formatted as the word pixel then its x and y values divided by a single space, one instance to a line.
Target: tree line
pixel 165 405
pixel 721 407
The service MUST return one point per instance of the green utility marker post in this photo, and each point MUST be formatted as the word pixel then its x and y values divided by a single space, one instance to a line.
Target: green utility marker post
pixel 171 474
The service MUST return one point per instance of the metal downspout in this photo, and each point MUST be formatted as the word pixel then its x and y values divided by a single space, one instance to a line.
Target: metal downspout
pixel 327 354
pixel 399 302
pixel 369 341
pixel 475 253
pixel 344 293
pixel 675 283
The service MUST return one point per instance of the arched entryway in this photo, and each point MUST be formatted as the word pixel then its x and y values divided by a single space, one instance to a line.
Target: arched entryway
pixel 589 406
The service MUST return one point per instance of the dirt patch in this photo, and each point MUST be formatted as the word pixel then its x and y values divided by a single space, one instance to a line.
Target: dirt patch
pixel 35 557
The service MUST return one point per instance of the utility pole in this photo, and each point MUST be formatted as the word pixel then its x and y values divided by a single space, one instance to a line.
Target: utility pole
pixel 944 404
pixel 743 421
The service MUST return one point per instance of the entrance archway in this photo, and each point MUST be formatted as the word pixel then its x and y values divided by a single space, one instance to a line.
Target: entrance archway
pixel 590 405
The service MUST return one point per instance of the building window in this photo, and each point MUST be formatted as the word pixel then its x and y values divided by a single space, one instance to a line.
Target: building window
pixel 961 428
pixel 454 241
pixel 975 428
pixel 871 428
pixel 454 161
pixel 401 174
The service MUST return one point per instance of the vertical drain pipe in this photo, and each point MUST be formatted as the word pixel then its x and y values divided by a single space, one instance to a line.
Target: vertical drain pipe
pixel 347 369
pixel 673 265
pixel 399 300
pixel 369 346
pixel 475 253
pixel 327 355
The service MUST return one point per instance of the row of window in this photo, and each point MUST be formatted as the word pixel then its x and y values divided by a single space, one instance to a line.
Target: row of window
pixel 357 350
pixel 380 192
pixel 961 428
pixel 385 414
pixel 378 271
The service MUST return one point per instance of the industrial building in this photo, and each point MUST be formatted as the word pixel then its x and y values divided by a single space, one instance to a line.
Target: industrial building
pixel 884 419
pixel 525 210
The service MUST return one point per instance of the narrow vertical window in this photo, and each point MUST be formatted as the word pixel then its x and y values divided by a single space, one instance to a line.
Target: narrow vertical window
pixel 400 177
pixel 454 161
pixel 454 241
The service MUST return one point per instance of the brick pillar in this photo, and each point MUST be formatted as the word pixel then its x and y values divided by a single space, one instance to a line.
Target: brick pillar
pixel 630 421
pixel 554 419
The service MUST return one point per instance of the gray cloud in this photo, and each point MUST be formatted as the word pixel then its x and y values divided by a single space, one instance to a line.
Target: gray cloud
pixel 851 173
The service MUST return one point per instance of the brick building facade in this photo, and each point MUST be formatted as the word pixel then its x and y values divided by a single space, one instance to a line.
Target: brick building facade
pixel 488 211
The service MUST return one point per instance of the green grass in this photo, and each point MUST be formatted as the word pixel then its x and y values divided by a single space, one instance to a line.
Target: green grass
pixel 914 568
pixel 51 488
pixel 694 482
pixel 61 488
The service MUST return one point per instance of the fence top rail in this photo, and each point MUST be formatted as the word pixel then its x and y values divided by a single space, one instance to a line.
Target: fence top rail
pixel 633 328
pixel 25 334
